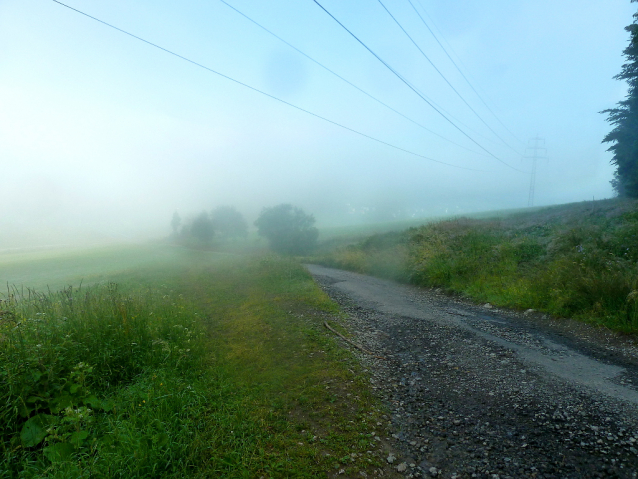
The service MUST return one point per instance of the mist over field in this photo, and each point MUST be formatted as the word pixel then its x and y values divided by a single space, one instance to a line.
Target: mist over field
pixel 103 137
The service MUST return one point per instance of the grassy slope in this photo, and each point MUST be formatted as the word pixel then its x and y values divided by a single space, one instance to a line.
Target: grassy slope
pixel 195 365
pixel 575 260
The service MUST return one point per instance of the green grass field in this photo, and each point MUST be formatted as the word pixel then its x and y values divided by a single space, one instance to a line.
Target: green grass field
pixel 168 362
pixel 161 361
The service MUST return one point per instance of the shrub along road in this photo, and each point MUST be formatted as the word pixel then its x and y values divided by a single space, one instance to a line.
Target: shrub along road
pixel 480 392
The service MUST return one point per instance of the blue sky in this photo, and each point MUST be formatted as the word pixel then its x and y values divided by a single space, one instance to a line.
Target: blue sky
pixel 101 134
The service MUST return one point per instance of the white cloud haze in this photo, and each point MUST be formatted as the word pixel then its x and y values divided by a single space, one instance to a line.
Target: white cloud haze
pixel 103 136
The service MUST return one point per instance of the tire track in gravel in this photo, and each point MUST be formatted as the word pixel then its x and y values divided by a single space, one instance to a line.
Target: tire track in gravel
pixel 486 393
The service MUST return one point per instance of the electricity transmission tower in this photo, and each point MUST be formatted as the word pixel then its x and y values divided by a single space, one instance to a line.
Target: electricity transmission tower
pixel 534 145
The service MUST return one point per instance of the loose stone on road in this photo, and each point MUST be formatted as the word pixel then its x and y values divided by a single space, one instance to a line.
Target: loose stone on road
pixel 475 391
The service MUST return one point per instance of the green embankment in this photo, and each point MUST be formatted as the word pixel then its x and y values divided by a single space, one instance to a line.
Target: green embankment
pixel 175 363
pixel 577 260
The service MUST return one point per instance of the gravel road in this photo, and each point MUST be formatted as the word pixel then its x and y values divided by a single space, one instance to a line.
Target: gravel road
pixel 476 391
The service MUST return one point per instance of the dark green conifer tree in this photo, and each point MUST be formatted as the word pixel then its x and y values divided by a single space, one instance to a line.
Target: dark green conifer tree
pixel 624 118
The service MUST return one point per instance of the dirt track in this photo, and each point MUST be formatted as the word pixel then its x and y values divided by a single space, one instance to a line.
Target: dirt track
pixel 480 392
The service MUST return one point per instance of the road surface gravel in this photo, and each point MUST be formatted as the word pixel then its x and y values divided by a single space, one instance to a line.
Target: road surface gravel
pixel 479 392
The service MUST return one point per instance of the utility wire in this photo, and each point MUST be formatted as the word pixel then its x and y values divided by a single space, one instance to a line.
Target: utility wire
pixel 415 90
pixel 263 92
pixel 450 115
pixel 444 78
pixel 462 74
pixel 347 81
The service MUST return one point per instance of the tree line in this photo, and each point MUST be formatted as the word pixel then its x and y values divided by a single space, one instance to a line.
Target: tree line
pixel 288 229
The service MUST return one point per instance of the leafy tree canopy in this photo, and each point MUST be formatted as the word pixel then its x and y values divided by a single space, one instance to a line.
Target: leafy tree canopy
pixel 624 118
pixel 228 222
pixel 288 229
pixel 202 228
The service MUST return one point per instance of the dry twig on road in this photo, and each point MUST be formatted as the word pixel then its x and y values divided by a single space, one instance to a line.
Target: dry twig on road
pixel 361 348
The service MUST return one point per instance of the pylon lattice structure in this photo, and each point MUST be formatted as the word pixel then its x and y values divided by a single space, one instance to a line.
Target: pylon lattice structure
pixel 532 152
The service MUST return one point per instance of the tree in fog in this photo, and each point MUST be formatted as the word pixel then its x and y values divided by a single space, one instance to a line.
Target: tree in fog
pixel 202 228
pixel 228 222
pixel 624 136
pixel 288 229
pixel 175 223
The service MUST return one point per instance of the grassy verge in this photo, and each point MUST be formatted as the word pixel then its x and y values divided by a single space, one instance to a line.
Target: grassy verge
pixel 198 366
pixel 307 408
pixel 575 261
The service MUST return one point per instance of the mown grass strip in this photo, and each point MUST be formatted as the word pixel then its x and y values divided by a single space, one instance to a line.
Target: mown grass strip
pixel 312 406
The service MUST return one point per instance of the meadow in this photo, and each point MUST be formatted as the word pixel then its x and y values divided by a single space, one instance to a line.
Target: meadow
pixel 577 260
pixel 158 361
pixel 162 361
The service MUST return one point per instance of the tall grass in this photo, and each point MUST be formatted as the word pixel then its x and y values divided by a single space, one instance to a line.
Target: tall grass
pixel 199 366
pixel 382 255
pixel 86 375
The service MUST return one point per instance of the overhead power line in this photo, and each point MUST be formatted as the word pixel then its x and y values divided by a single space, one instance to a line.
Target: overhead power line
pixel 444 77
pixel 463 74
pixel 263 92
pixel 449 115
pixel 414 89
pixel 345 80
